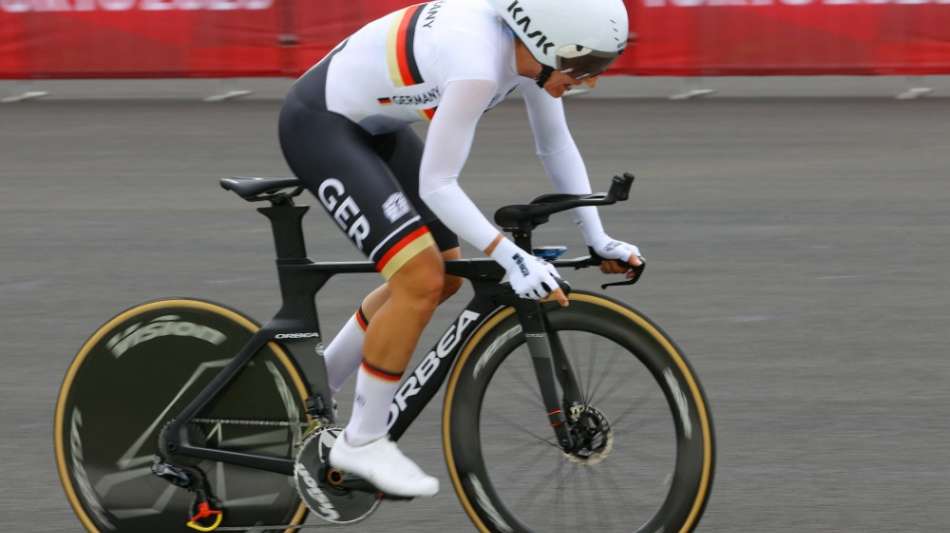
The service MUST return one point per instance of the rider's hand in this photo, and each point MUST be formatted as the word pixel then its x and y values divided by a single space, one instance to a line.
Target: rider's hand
pixel 622 257
pixel 529 276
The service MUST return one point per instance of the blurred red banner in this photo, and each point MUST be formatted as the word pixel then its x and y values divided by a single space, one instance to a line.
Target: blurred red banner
pixel 792 37
pixel 139 38
pixel 229 38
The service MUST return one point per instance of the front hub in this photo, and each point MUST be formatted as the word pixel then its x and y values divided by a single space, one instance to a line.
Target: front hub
pixel 592 435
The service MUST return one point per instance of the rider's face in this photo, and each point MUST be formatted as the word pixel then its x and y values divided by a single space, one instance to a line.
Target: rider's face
pixel 557 84
pixel 560 82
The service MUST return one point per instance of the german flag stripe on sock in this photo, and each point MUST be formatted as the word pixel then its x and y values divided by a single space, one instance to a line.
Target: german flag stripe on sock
pixel 361 319
pixel 404 250
pixel 400 54
pixel 379 373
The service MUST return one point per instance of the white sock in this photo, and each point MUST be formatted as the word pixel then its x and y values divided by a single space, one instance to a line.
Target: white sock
pixel 375 389
pixel 345 351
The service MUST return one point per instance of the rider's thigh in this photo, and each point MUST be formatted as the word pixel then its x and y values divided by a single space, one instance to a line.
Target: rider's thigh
pixel 336 161
pixel 402 151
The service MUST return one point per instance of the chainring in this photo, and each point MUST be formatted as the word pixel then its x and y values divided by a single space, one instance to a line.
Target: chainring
pixel 317 482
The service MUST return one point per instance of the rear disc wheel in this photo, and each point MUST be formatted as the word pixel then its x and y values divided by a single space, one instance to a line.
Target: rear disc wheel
pixel 127 382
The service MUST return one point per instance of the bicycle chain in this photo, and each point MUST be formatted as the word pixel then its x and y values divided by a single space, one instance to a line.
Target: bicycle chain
pixel 240 422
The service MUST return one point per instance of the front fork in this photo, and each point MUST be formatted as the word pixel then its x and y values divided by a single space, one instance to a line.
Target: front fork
pixel 551 367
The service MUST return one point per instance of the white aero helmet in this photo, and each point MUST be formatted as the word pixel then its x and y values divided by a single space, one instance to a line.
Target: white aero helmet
pixel 579 37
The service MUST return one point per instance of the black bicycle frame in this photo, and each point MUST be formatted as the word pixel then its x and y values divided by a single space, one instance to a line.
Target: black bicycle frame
pixel 296 327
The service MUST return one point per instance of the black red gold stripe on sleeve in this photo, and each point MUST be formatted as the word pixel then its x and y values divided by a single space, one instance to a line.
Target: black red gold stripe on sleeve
pixel 428 113
pixel 400 48
pixel 404 250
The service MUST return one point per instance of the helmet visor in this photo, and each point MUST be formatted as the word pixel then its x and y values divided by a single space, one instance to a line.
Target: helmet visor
pixel 581 63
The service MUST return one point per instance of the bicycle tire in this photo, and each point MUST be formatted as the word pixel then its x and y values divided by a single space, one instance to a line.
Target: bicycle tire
pixel 127 381
pixel 592 314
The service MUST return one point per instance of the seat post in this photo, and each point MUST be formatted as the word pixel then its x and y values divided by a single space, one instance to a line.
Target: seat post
pixel 298 288
pixel 522 237
pixel 287 224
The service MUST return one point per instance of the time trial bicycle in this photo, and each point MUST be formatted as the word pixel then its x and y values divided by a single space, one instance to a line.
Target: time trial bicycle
pixel 182 414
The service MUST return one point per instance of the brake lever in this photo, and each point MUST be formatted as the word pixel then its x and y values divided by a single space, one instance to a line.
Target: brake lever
pixel 595 260
pixel 564 286
pixel 637 272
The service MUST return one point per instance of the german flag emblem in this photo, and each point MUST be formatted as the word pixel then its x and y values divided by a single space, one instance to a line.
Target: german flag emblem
pixel 400 54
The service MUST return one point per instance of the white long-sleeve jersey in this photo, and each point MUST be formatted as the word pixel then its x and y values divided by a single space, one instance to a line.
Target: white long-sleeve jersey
pixel 448 62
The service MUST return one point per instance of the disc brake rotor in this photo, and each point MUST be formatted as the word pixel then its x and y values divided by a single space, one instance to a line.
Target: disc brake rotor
pixel 593 436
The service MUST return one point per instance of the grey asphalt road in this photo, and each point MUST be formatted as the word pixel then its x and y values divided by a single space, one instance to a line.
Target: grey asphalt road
pixel 797 252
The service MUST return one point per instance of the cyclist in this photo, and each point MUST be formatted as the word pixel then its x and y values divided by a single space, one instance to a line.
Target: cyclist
pixel 344 131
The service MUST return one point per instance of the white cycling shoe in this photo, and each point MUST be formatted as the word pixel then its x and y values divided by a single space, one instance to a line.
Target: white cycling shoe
pixel 381 463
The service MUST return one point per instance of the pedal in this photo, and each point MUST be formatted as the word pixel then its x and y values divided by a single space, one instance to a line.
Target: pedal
pixel 355 483
pixel 205 514
pixel 172 474
pixel 393 498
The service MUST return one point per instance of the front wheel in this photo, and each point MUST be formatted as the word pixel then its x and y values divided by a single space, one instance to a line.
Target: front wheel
pixel 647 455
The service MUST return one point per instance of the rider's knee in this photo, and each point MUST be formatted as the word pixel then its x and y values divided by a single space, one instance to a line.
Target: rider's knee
pixel 421 280
pixel 450 286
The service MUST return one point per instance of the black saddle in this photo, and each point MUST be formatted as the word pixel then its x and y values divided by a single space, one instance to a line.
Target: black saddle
pixel 257 189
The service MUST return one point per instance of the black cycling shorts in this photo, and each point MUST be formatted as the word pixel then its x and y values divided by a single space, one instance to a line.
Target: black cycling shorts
pixel 368 184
